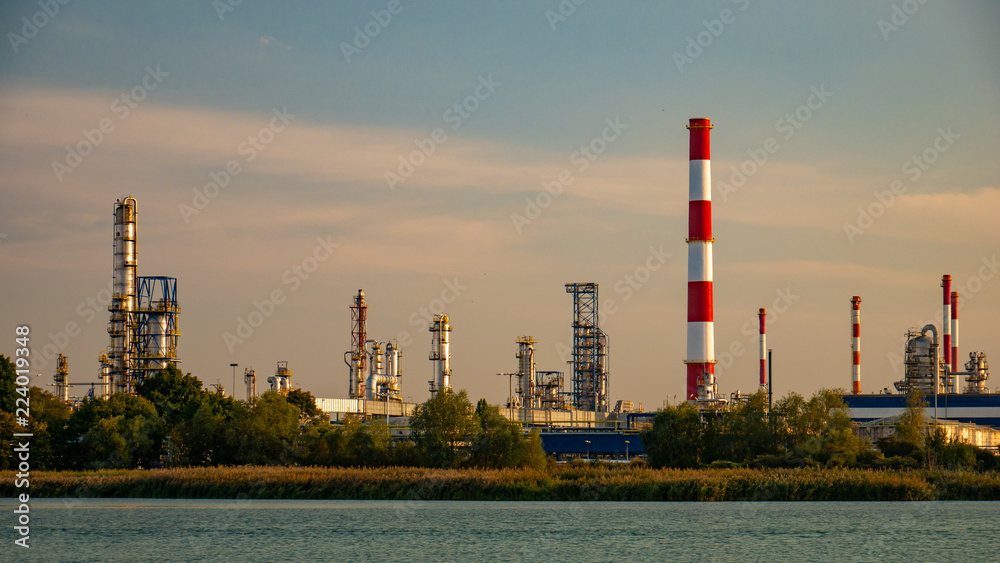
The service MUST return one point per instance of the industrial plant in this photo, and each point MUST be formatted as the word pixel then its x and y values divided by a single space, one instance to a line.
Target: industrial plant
pixel 573 411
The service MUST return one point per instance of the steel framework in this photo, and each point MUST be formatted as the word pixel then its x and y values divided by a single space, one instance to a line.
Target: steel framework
pixel 157 325
pixel 590 343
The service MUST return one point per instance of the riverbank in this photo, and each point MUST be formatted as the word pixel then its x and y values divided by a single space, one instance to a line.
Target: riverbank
pixel 561 483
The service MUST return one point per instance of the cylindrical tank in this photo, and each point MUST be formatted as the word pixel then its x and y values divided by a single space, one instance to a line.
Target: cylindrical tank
pixel 440 355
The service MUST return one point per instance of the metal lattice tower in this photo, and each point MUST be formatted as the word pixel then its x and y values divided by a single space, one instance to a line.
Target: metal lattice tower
pixel 157 319
pixel 590 375
pixel 359 357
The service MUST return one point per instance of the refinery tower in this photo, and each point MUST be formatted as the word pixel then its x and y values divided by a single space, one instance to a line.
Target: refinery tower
pixel 143 327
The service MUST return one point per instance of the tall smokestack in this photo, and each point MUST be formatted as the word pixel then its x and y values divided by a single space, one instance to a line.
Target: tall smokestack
pixel 856 344
pixel 701 332
pixel 946 327
pixel 954 332
pixel 761 315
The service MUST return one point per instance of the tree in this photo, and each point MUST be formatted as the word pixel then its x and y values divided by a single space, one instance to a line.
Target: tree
pixel 49 421
pixel 170 391
pixel 263 434
pixel 675 437
pixel 749 430
pixel 121 431
pixel 8 384
pixel 440 426
pixel 305 401
pixel 500 443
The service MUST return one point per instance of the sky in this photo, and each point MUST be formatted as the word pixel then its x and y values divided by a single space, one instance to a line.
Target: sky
pixel 473 158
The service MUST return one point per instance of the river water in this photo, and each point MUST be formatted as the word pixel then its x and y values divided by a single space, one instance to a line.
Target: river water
pixel 280 530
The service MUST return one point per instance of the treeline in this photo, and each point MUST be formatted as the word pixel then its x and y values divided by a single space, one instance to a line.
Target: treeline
pixel 172 421
pixel 801 433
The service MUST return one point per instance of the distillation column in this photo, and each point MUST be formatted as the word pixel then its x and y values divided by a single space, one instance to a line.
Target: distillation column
pixel 62 378
pixel 856 345
pixel 121 328
pixel 250 378
pixel 526 371
pixel 440 355
pixel 700 328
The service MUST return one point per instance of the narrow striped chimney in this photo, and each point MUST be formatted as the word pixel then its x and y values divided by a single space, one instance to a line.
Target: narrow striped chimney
pixel 954 331
pixel 856 345
pixel 761 315
pixel 946 327
pixel 700 330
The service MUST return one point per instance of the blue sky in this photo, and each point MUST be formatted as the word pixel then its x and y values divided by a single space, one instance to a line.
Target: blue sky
pixel 895 88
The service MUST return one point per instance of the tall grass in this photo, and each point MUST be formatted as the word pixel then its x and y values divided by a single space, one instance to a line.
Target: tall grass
pixel 560 483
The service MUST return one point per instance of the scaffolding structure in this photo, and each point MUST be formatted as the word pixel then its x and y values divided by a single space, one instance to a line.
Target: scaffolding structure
pixel 157 325
pixel 590 343
pixel 358 354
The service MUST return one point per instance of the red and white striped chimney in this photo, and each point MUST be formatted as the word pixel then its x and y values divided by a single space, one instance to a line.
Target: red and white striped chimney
pixel 700 329
pixel 856 344
pixel 946 327
pixel 954 331
pixel 761 315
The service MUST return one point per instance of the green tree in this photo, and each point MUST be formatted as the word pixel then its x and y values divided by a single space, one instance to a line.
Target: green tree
pixel 306 403
pixel 675 437
pixel 440 426
pixel 830 438
pixel 501 443
pixel 171 391
pixel 749 430
pixel 8 384
pixel 263 434
pixel 121 443
pixel 49 421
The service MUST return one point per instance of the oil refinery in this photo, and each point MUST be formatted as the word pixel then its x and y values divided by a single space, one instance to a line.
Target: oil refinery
pixel 572 410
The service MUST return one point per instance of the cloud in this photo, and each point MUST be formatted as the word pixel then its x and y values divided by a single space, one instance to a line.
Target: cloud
pixel 267 41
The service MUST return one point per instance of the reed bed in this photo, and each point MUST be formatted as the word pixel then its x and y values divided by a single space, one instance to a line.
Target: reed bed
pixel 559 483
